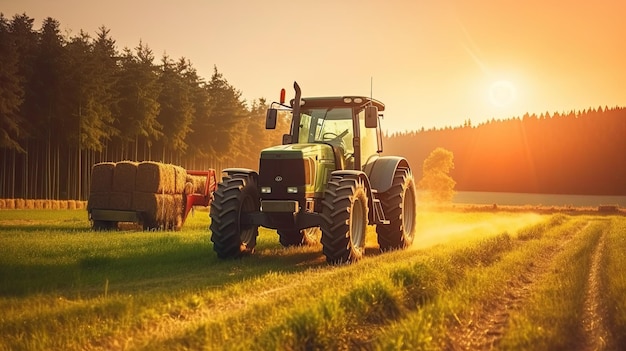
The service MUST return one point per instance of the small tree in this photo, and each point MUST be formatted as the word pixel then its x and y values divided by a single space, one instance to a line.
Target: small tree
pixel 436 183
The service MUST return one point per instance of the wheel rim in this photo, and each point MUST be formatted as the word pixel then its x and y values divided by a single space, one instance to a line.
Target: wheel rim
pixel 408 212
pixel 357 225
pixel 247 233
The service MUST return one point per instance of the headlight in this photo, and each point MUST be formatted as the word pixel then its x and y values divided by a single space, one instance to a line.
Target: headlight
pixel 292 190
pixel 266 190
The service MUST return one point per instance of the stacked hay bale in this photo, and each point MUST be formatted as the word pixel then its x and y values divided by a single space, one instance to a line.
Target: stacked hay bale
pixel 155 189
pixel 159 194
pixel 101 186
pixel 197 184
pixel 123 185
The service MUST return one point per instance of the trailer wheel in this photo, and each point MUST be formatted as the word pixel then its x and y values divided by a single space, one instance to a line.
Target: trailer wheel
pixel 234 196
pixel 400 206
pixel 150 225
pixel 99 225
pixel 307 236
pixel 344 220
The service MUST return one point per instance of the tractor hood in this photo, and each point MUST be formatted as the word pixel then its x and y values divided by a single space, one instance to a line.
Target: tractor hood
pixel 291 151
pixel 302 169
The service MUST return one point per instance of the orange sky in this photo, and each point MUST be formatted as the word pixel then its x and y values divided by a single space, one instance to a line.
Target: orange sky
pixel 434 63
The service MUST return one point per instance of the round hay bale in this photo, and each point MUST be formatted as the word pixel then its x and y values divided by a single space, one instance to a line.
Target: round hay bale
pixel 102 177
pixel 20 204
pixel 9 204
pixel 124 175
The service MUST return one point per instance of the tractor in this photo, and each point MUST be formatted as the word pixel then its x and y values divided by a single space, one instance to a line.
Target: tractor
pixel 327 181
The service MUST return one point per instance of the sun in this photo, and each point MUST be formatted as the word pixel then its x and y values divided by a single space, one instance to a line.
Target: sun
pixel 502 93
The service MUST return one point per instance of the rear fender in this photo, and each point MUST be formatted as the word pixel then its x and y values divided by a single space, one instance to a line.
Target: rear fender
pixel 381 171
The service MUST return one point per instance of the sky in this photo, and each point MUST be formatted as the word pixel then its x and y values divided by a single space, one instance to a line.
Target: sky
pixel 433 63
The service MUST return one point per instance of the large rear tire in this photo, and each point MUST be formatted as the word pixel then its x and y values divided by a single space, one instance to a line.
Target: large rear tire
pixel 344 220
pixel 400 206
pixel 304 237
pixel 235 196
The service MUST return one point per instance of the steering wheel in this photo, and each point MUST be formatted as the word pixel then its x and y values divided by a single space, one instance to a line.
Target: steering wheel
pixel 334 136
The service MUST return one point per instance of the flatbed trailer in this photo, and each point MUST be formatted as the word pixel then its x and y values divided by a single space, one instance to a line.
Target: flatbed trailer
pixel 108 219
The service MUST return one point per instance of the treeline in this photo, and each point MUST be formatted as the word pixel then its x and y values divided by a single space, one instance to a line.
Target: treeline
pixel 69 102
pixel 580 152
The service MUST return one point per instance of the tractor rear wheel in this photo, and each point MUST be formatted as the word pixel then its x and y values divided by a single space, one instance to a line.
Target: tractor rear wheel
pixel 399 204
pixel 344 220
pixel 235 196
pixel 304 237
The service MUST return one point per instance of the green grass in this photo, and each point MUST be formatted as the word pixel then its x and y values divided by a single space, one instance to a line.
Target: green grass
pixel 551 318
pixel 614 282
pixel 65 287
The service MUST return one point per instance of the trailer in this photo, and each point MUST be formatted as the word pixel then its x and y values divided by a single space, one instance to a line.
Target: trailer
pixel 151 210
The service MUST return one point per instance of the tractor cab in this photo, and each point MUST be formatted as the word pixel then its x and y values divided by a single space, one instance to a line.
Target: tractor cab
pixel 348 124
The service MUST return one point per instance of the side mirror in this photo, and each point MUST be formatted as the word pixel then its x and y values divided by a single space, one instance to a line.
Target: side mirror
pixel 270 118
pixel 371 117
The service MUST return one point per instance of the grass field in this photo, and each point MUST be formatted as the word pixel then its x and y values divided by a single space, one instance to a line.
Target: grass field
pixel 472 280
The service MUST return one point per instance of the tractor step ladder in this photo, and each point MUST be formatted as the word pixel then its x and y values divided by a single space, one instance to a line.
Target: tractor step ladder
pixel 379 214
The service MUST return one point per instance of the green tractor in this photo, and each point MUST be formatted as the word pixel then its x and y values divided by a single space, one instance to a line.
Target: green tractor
pixel 327 180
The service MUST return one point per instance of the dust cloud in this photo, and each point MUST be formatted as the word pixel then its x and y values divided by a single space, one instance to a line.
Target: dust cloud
pixel 435 228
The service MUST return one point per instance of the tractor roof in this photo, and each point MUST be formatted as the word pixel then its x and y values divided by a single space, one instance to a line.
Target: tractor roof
pixel 339 101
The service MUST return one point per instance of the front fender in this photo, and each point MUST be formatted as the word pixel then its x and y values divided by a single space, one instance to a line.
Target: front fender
pixel 232 172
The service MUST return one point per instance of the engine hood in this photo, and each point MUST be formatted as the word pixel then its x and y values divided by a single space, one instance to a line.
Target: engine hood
pixel 291 151
pixel 305 166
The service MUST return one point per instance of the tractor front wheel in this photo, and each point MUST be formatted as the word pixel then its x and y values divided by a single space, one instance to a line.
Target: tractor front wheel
pixel 235 196
pixel 344 220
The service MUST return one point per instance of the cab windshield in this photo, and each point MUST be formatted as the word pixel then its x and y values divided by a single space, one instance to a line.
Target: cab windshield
pixel 327 125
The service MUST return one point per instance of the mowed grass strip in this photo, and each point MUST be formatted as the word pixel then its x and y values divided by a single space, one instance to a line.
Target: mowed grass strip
pixel 552 317
pixel 65 287
pixel 458 317
pixel 613 281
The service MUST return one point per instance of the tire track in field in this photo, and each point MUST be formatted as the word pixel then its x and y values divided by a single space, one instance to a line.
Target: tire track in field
pixel 486 326
pixel 594 314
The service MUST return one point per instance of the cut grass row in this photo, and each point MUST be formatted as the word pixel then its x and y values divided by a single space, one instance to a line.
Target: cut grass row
pixel 168 291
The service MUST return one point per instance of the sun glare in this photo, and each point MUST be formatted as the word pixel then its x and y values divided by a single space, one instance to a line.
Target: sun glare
pixel 502 93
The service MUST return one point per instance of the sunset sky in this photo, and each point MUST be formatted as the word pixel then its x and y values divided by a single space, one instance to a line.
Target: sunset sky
pixel 434 63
